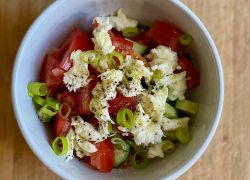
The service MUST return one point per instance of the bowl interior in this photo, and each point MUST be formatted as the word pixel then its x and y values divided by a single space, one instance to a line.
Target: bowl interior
pixel 51 29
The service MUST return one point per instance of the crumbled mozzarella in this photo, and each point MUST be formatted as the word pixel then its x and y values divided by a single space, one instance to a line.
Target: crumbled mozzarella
pixel 155 150
pixel 102 114
pixel 71 140
pixel 154 103
pixel 121 21
pixel 173 124
pixel 177 86
pixel 164 59
pixel 107 88
pixel 145 130
pixel 85 130
pixel 102 38
pixel 133 71
pixel 78 74
pixel 103 64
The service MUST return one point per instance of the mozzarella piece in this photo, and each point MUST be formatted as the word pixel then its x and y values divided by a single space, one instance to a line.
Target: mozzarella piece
pixel 154 103
pixel 71 141
pixel 173 124
pixel 107 88
pixel 85 130
pixel 101 38
pixel 78 74
pixel 177 86
pixel 164 59
pixel 121 21
pixel 133 71
pixel 145 130
pixel 155 150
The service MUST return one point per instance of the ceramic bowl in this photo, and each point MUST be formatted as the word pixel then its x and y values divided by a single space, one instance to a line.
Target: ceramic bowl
pixel 52 27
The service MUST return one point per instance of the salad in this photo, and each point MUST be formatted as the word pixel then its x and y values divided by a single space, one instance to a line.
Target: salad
pixel 117 97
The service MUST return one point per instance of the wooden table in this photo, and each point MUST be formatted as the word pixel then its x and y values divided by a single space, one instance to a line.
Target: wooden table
pixel 228 155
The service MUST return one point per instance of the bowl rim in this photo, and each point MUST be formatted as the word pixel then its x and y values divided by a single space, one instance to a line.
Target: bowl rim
pixel 186 165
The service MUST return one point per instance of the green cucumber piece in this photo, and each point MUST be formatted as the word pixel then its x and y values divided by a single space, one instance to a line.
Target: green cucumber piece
pixel 170 111
pixel 139 48
pixel 183 135
pixel 187 106
pixel 121 155
pixel 170 135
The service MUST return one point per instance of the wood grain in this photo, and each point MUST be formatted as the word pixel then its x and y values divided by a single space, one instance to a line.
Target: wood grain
pixel 228 156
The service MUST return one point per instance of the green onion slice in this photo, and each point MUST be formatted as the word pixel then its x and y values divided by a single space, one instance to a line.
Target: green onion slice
pixel 55 105
pixel 117 55
pixel 39 100
pixel 46 113
pixel 125 118
pixel 182 134
pixel 37 88
pixel 186 39
pixel 168 147
pixel 59 151
pixel 65 110
pixel 139 160
pixel 90 57
pixel 139 48
pixel 120 143
pixel 130 32
pixel 158 74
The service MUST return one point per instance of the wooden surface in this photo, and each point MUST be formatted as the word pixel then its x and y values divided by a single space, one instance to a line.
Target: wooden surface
pixel 228 155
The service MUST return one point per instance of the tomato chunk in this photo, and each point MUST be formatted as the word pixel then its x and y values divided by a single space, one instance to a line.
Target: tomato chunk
pixel 84 97
pixel 165 34
pixel 120 43
pixel 79 40
pixel 103 158
pixel 119 102
pixel 51 61
pixel 61 126
pixel 192 75
pixel 70 98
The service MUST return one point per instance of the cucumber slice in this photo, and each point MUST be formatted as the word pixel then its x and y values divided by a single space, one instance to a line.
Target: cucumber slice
pixel 139 48
pixel 121 155
pixel 187 106
pixel 170 111
pixel 183 135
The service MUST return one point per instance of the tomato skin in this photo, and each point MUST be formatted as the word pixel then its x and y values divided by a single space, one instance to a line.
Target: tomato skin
pixel 103 158
pixel 79 40
pixel 119 102
pixel 165 34
pixel 61 126
pixel 84 97
pixel 192 75
pixel 142 38
pixel 51 61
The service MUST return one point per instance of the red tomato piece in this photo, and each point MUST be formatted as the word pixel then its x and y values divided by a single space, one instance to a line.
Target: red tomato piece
pixel 192 75
pixel 51 62
pixel 61 126
pixel 119 102
pixel 103 158
pixel 93 121
pixel 142 38
pixel 166 34
pixel 84 97
pixel 120 43
pixel 79 40
pixel 70 98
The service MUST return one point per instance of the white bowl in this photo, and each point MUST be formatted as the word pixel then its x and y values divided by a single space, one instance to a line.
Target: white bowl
pixel 51 28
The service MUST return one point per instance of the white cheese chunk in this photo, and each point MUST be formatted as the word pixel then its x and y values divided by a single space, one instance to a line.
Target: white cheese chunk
pixel 164 59
pixel 145 130
pixel 154 103
pixel 177 86
pixel 155 150
pixel 173 124
pixel 102 40
pixel 78 74
pixel 106 89
pixel 133 71
pixel 121 21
